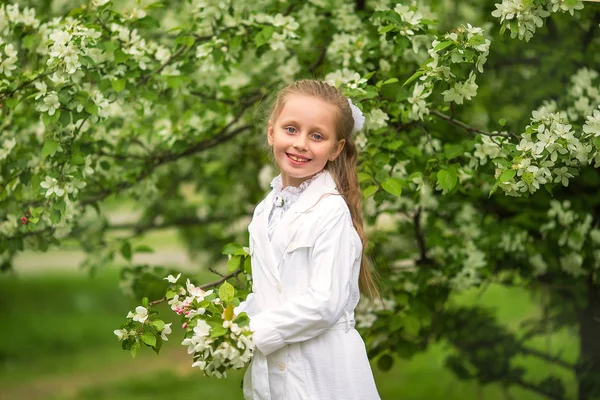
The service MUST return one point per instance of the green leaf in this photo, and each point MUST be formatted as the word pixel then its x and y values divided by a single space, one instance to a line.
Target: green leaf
pixel 49 148
pixel 228 313
pixel 157 4
pixel 452 151
pixel 476 40
pixel 248 265
pixel 443 45
pixel 145 302
pixel 77 159
pixel 148 22
pixel 143 248
pixel 12 102
pixel 126 250
pixel 91 108
pixel 507 175
pixel 413 77
pixel 447 178
pixel 108 46
pixel 46 119
pixel 159 324
pixel 233 263
pixel 217 331
pixel 60 205
pixel 187 41
pixel 226 292
pixel 385 362
pixel 118 84
pixel 135 349
pixel 174 81
pixel 392 186
pixel 395 145
pixel 120 56
pixel 502 121
pixel 363 177
pixel 263 36
pixel 55 216
pixel 231 248
pixel 370 191
pixel 391 80
pixel 149 338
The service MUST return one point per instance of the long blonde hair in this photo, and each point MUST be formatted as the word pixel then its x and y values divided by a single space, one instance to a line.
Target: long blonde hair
pixel 343 168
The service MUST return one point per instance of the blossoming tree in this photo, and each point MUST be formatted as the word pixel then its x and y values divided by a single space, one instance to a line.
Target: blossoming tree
pixel 478 159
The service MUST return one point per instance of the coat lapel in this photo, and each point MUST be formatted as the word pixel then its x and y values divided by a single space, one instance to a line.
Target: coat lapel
pixel 271 252
pixel 262 248
pixel 293 219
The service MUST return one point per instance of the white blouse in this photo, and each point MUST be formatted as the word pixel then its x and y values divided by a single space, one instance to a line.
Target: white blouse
pixel 283 199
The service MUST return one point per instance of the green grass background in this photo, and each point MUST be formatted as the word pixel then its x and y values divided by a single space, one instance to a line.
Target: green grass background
pixel 56 342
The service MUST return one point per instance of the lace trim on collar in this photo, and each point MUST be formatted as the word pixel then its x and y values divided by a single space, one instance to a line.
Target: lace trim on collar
pixel 276 184
pixel 285 197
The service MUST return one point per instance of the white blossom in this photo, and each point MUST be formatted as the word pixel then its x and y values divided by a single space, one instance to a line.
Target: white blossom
pixel 377 119
pixel 8 63
pixel 172 279
pixel 419 106
pixel 461 90
pixel 166 330
pixel 140 315
pixel 51 186
pixel 49 104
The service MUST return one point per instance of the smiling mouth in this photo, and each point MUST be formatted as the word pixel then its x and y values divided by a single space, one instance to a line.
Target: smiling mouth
pixel 297 159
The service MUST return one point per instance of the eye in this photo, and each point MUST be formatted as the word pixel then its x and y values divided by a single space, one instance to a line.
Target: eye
pixel 317 136
pixel 290 129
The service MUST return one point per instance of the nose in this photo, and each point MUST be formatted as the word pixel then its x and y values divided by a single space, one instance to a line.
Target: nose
pixel 300 142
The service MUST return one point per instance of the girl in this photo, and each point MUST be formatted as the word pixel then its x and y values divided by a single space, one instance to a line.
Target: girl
pixel 306 245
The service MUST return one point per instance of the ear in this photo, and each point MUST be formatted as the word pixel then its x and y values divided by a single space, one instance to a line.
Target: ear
pixel 337 150
pixel 270 133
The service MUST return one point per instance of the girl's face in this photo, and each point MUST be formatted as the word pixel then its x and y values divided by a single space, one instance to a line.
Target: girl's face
pixel 303 138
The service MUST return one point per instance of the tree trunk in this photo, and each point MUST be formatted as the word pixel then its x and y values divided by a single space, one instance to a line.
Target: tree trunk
pixel 588 370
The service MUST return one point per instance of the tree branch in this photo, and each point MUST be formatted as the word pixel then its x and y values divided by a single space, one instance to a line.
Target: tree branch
pixel 187 221
pixel 206 285
pixel 6 95
pixel 319 59
pixel 468 128
pixel 538 389
pixel 546 357
pixel 420 237
pixel 220 137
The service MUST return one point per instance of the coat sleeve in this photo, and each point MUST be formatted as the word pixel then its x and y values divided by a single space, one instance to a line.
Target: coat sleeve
pixel 322 304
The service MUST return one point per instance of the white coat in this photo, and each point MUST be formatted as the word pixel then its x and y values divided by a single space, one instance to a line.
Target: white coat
pixel 305 289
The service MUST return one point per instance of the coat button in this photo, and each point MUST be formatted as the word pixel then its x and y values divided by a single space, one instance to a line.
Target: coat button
pixel 282 366
pixel 279 288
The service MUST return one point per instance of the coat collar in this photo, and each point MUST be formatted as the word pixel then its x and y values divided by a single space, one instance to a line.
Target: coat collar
pixel 271 252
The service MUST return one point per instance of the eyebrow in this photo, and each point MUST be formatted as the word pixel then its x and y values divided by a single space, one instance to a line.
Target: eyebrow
pixel 294 122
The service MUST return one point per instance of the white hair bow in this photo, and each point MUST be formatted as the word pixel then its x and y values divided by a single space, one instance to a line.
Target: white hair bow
pixel 357 115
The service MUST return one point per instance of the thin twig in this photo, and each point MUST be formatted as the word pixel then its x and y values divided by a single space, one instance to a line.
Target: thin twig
pixel 547 357
pixel 420 237
pixel 206 285
pixel 214 271
pixel 469 128
pixel 6 95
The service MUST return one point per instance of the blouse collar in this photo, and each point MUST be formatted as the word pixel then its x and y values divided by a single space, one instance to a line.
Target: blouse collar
pixel 285 197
